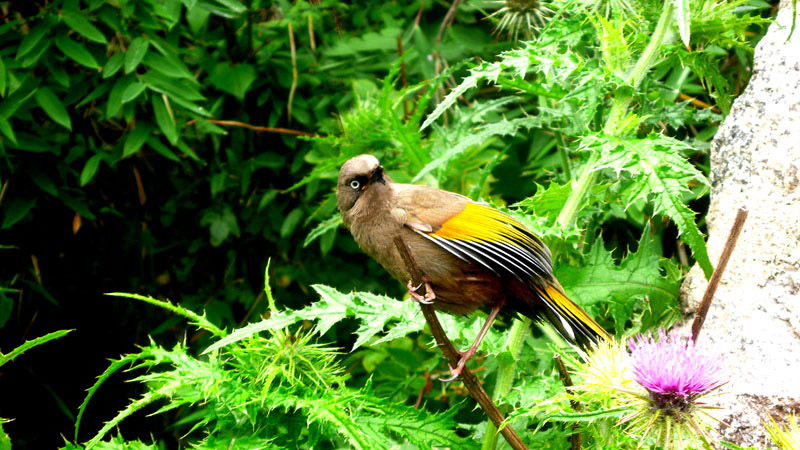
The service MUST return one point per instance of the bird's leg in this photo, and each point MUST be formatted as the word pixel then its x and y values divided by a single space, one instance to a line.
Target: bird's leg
pixel 474 347
pixel 429 297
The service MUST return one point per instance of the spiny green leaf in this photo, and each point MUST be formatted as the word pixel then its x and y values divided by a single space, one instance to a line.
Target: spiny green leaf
pixel 661 172
pixel 373 311
pixel 113 368
pixel 587 416
pixel 500 128
pixel 517 61
pixel 323 227
pixel 194 318
pixel 637 283
pixel 146 399
pixel 683 18
pixel 27 345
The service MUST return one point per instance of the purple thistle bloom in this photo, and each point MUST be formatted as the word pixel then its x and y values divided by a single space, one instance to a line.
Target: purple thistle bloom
pixel 674 371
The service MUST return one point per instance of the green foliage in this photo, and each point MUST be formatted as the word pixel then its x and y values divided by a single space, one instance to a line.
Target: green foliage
pixel 641 289
pixel 269 392
pixel 27 345
pixel 206 136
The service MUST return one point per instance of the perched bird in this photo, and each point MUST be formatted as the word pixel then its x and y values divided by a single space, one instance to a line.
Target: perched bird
pixel 471 255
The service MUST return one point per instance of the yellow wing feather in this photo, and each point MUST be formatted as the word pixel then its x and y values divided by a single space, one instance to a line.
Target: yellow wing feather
pixel 568 308
pixel 482 223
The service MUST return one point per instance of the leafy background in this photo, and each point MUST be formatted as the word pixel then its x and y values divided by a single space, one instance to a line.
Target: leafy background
pixel 171 148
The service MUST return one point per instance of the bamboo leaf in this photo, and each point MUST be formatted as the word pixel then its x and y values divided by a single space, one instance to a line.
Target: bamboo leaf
pixel 52 105
pixel 164 118
pixel 113 64
pixel 114 103
pixel 3 78
pixel 135 53
pixel 76 51
pixel 31 39
pixel 90 169
pixel 132 91
pixel 78 22
pixel 135 139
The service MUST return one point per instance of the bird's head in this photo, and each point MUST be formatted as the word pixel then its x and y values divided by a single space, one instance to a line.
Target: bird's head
pixel 359 177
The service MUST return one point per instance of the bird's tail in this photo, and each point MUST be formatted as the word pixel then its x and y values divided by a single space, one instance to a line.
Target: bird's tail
pixel 571 321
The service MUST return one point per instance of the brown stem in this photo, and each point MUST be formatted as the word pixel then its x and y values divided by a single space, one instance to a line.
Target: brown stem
pixel 235 123
pixel 448 19
pixel 426 387
pixel 402 73
pixel 294 73
pixel 468 378
pixel 736 229
pixel 563 374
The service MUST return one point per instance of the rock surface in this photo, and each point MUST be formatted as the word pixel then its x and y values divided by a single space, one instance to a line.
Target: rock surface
pixel 755 317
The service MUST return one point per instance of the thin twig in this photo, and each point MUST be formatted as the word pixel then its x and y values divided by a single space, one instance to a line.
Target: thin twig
pixel 3 191
pixel 419 14
pixel 402 73
pixel 698 103
pixel 736 229
pixel 311 34
pixel 337 22
pixel 448 18
pixel 139 186
pixel 234 123
pixel 426 387
pixel 563 374
pixel 468 378
pixel 294 71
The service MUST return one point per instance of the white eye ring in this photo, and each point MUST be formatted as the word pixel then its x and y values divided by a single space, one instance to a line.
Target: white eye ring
pixel 355 184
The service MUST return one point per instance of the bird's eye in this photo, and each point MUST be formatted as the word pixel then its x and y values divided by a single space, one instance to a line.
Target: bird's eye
pixel 355 184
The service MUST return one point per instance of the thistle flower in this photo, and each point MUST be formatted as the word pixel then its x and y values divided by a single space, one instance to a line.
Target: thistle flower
pixel 608 369
pixel 676 374
pixel 520 15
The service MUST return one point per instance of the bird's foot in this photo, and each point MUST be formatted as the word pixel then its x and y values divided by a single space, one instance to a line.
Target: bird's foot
pixel 462 361
pixel 429 296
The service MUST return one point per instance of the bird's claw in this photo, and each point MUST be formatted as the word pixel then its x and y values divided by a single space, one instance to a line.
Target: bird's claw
pixel 455 373
pixel 429 296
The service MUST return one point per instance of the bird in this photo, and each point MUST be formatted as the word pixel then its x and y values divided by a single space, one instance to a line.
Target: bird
pixel 472 256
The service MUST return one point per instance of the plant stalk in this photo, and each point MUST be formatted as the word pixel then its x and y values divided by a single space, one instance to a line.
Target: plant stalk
pixel 505 375
pixel 470 381
pixel 586 180
pixel 581 186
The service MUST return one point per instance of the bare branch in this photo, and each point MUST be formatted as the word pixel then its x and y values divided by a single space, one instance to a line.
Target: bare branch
pixel 468 378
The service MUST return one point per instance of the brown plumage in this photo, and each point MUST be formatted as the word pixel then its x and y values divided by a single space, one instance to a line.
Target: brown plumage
pixel 472 255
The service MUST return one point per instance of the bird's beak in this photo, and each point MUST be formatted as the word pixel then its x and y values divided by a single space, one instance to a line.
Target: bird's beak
pixel 377 175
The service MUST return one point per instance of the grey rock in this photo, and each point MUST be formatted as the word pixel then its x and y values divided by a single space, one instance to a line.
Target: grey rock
pixel 755 317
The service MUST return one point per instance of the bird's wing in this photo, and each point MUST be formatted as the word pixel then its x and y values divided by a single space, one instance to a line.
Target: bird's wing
pixel 475 232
